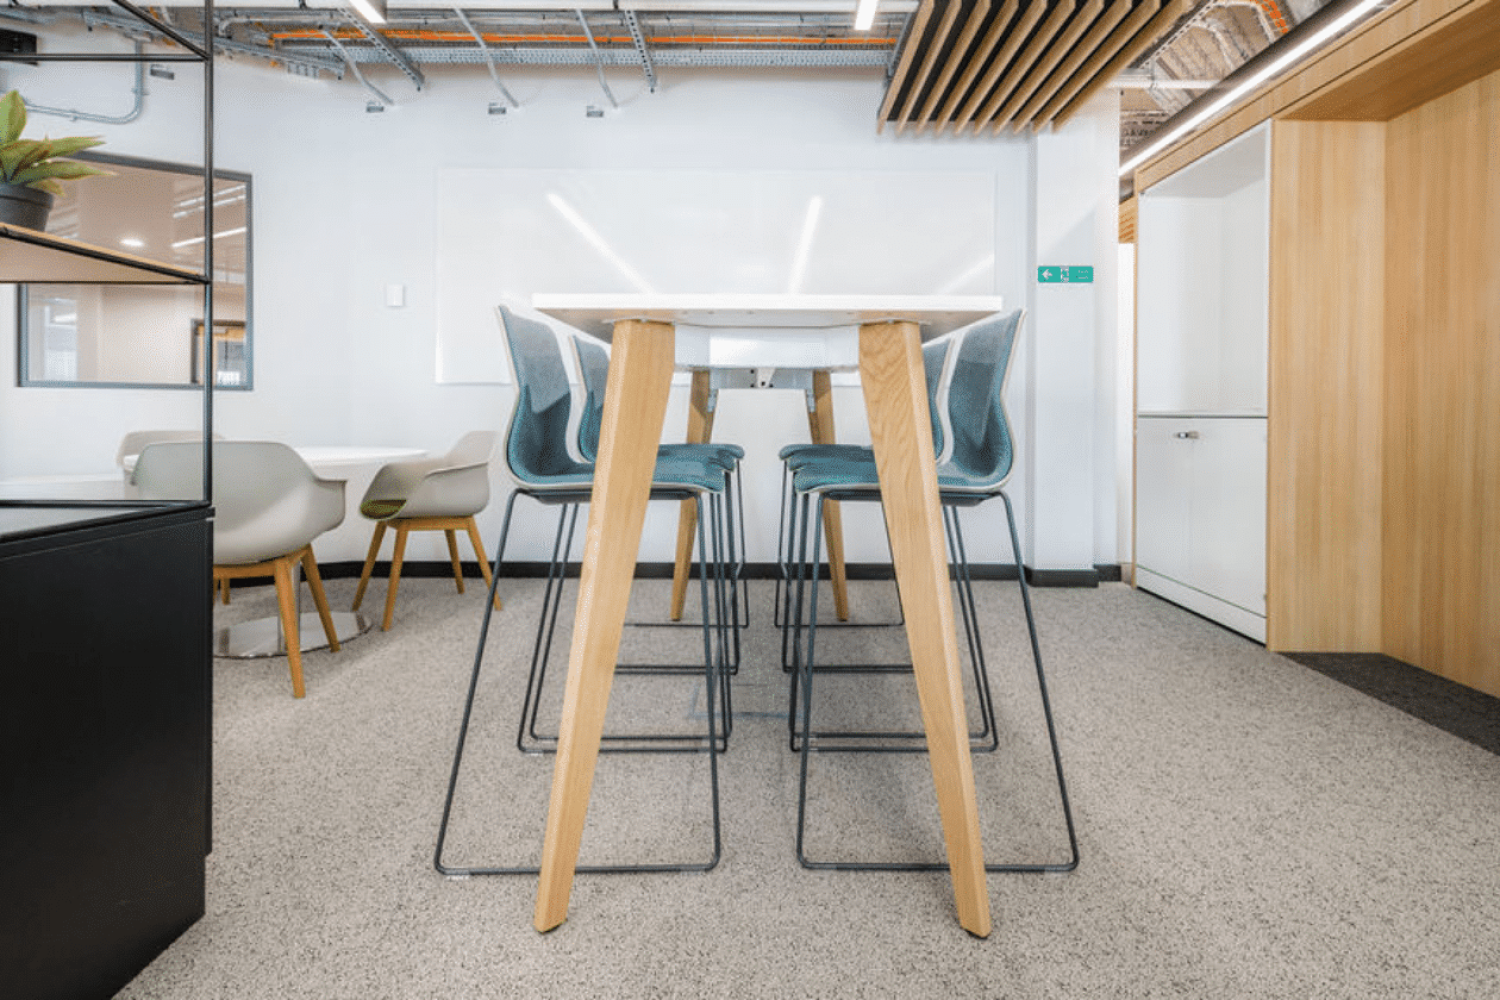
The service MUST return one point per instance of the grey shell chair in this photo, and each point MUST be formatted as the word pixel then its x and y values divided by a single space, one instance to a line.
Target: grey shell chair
pixel 269 506
pixel 429 494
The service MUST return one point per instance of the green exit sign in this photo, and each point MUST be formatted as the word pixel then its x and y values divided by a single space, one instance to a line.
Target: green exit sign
pixel 1065 274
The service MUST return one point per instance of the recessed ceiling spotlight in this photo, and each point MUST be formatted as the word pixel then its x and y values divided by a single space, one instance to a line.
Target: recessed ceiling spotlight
pixel 134 242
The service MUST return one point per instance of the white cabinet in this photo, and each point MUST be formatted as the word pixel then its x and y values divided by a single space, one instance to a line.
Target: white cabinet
pixel 1201 373
pixel 1201 516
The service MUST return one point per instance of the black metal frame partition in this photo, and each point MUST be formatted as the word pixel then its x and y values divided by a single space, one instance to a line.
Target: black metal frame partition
pixel 202 54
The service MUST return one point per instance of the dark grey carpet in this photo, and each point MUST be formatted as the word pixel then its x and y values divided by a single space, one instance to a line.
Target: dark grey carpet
pixel 1468 714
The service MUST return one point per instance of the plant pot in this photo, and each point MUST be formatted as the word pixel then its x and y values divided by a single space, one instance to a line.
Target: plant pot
pixel 24 206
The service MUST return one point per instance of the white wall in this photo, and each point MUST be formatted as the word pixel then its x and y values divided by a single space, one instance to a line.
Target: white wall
pixel 345 205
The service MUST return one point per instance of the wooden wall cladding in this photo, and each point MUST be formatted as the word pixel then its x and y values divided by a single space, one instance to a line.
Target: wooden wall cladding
pixel 1442 362
pixel 992 65
pixel 1324 474
pixel 1402 33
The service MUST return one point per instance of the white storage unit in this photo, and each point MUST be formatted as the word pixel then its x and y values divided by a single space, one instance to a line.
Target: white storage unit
pixel 1202 334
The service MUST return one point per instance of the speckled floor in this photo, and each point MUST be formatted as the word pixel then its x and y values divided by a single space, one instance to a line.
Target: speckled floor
pixel 1248 827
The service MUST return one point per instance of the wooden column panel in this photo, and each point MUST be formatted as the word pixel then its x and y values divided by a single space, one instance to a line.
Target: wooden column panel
pixel 1324 469
pixel 1442 487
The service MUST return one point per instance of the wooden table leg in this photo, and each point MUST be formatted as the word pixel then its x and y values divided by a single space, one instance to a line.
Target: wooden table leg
pixel 890 366
pixel 635 404
pixel 820 425
pixel 699 429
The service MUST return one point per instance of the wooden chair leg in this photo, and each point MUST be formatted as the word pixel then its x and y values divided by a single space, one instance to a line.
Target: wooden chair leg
pixel 484 563
pixel 364 574
pixel 390 592
pixel 287 597
pixel 458 570
pixel 315 584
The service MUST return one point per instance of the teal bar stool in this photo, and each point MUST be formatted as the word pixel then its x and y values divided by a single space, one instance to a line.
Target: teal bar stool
pixel 538 457
pixel 592 360
pixel 977 459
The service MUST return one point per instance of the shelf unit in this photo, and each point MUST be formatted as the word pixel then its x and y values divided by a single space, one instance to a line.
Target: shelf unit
pixel 106 728
pixel 1201 398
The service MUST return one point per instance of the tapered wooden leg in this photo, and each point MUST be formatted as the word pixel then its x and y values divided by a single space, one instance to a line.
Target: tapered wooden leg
pixel 820 425
pixel 472 527
pixel 699 429
pixel 635 404
pixel 286 596
pixel 364 574
pixel 458 570
pixel 320 599
pixel 390 590
pixel 890 365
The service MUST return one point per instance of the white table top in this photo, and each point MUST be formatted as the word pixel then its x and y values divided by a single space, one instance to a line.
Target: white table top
pixel 798 332
pixel 331 458
pixel 328 456
pixel 596 312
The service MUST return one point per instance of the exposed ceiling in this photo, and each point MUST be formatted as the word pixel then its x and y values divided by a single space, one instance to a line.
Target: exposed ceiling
pixel 975 66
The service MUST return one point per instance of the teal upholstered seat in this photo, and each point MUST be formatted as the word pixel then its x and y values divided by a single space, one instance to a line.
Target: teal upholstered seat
pixel 593 372
pixel 592 360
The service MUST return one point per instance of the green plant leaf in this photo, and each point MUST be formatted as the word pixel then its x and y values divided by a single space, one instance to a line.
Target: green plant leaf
pixel 63 170
pixel 49 186
pixel 12 117
pixel 67 147
pixel 22 153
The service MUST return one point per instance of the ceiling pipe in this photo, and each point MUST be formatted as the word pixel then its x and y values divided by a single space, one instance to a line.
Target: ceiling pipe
pixel 599 63
pixel 489 57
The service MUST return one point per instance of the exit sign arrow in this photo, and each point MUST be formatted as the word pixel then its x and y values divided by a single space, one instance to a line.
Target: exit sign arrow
pixel 1074 274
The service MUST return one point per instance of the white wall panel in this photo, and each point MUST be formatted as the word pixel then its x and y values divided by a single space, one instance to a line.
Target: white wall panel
pixel 349 203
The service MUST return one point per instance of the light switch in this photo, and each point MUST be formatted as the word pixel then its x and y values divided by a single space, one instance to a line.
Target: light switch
pixel 395 296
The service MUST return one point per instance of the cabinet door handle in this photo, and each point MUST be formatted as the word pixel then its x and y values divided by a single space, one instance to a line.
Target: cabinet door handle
pixel 1186 435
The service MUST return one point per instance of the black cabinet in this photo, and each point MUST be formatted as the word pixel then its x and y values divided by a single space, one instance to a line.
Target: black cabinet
pixel 105 729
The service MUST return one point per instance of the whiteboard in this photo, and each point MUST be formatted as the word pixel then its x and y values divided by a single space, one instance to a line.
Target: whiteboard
pixel 504 234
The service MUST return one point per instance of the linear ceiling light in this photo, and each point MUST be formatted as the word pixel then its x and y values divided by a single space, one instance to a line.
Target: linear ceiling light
pixel 371 10
pixel 1296 52
pixel 864 15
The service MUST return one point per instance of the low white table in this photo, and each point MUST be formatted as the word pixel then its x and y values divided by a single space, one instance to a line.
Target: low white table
pixel 262 636
pixel 880 336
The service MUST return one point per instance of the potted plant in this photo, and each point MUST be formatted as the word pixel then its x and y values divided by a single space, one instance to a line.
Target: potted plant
pixel 30 169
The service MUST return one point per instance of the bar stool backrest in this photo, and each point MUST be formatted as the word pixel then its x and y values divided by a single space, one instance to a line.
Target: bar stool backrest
pixel 982 452
pixel 536 449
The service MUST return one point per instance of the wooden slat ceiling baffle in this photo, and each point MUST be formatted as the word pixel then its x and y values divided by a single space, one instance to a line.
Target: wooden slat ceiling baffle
pixel 1016 63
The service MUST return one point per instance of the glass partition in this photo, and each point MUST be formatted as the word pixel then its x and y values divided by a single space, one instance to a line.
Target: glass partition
pixel 144 335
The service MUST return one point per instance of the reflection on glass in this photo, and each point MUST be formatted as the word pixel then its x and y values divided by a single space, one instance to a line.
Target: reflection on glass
pixel 144 334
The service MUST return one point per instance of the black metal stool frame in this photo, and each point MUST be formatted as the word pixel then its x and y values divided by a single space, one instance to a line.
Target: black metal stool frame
pixel 807 672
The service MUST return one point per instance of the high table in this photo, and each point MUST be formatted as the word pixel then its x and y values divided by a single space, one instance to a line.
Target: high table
pixel 880 336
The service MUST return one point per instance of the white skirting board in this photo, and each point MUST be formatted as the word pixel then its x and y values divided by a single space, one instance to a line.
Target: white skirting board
pixel 1229 615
